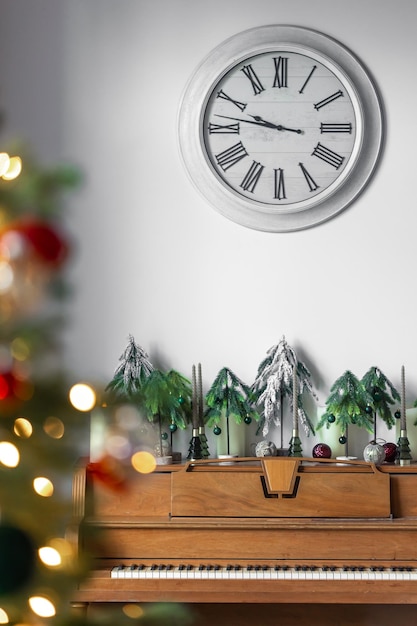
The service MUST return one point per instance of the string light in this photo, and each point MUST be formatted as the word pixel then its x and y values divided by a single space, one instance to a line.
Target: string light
pixel 10 167
pixel 42 606
pixel 9 454
pixel 43 486
pixel 82 397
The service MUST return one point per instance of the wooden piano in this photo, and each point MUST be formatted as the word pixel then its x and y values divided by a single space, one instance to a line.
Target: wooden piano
pixel 257 541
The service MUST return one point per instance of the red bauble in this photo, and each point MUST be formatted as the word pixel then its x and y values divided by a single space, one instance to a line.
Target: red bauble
pixel 390 452
pixel 47 244
pixel 109 472
pixel 322 451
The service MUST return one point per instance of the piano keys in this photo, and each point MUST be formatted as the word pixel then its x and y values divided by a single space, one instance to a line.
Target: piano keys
pixel 263 572
pixel 229 539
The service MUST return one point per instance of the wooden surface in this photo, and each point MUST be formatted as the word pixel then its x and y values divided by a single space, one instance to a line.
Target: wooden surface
pixel 274 614
pixel 344 491
pixel 129 526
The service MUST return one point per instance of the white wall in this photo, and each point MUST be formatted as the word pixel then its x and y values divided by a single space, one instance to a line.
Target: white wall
pixel 99 82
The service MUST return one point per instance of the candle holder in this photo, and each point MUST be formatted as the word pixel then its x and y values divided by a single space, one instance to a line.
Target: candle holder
pixel 295 448
pixel 403 452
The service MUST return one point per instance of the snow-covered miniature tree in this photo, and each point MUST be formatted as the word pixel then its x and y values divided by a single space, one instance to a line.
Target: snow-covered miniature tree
pixel 347 404
pixel 231 397
pixel 133 370
pixel 274 383
pixel 383 394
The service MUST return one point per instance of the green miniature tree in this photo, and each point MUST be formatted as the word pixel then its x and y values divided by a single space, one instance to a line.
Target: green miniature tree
pixel 231 397
pixel 165 398
pixel 347 404
pixel 383 394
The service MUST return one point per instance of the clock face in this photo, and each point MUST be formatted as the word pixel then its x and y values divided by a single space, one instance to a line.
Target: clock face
pixel 280 128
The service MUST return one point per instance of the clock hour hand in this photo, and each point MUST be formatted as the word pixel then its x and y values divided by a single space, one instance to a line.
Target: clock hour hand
pixel 277 126
pixel 257 122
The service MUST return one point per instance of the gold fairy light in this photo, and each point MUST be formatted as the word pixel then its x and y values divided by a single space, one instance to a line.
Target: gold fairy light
pixel 4 618
pixel 22 428
pixel 82 397
pixel 43 486
pixel 54 427
pixel 14 169
pixel 9 454
pixel 4 163
pixel 50 556
pixel 42 606
pixel 143 462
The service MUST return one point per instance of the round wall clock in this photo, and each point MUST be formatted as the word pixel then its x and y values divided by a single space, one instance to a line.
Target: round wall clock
pixel 280 128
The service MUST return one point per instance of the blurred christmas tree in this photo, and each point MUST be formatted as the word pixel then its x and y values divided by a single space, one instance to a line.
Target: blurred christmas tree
pixel 37 420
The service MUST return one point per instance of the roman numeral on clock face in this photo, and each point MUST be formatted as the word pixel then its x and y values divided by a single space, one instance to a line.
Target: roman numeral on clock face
pixel 231 156
pixel 328 100
pixel 279 184
pixel 223 129
pixel 281 72
pixel 252 176
pixel 336 128
pixel 240 105
pixel 313 69
pixel 310 180
pixel 327 155
pixel 255 82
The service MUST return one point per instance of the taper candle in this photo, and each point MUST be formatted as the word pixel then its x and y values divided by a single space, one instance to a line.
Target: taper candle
pixel 295 398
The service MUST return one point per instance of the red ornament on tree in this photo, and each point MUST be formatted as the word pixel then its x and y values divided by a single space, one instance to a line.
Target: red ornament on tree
pixel 45 241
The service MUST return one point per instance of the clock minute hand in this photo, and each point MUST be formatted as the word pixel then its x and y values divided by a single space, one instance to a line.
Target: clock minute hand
pixel 277 126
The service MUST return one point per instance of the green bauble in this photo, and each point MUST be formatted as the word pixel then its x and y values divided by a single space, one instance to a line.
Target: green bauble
pixel 217 430
pixel 342 439
pixel 331 418
pixel 173 427
pixel 368 409
pixel 164 436
pixel 17 559
pixel 248 420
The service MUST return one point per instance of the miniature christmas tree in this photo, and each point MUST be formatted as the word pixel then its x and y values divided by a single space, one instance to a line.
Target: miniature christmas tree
pixel 231 397
pixel 130 375
pixel 166 400
pixel 347 404
pixel 383 394
pixel 274 383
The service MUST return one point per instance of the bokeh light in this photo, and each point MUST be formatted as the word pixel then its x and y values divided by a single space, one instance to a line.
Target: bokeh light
pixel 6 276
pixel 134 611
pixel 82 397
pixel 22 428
pixel 14 169
pixel 54 427
pixel 4 163
pixel 50 556
pixel 43 486
pixel 4 618
pixel 42 606
pixel 9 454
pixel 143 462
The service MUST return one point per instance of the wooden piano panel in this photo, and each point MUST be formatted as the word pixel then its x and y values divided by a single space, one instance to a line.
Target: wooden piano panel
pixel 224 614
pixel 389 539
pixel 127 527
